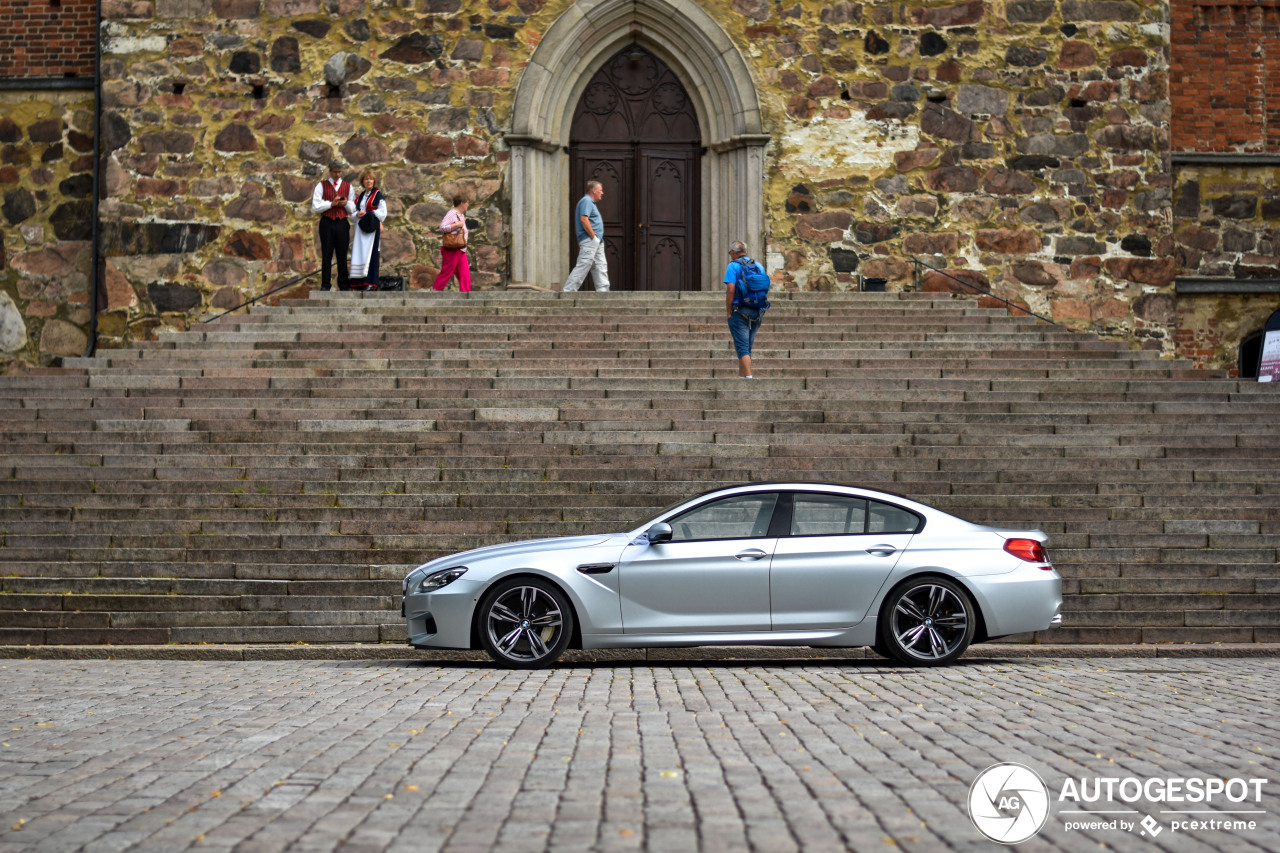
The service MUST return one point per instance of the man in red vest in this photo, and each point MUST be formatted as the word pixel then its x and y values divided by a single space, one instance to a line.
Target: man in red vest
pixel 333 199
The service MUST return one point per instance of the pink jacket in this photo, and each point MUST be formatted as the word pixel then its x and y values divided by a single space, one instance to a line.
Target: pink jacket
pixel 452 218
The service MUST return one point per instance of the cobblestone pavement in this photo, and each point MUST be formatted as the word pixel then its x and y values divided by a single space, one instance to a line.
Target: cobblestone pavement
pixel 814 756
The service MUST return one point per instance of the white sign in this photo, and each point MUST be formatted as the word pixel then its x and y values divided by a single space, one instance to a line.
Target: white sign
pixel 1269 369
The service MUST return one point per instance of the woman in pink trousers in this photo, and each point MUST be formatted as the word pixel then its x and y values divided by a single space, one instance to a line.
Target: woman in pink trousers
pixel 454 261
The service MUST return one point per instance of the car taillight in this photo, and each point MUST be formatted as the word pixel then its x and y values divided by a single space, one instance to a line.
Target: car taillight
pixel 1027 549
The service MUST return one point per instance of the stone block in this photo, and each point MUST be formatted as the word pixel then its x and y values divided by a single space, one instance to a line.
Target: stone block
pixel 365 150
pixel 183 9
pixel 953 179
pixel 290 8
pixel 1002 181
pixel 1005 241
pixel 940 122
pixel 236 9
pixel 235 137
pixel 415 49
pixel 960 15
pixel 973 100
pixel 824 227
pixel 13 329
pixel 1100 10
pixel 73 220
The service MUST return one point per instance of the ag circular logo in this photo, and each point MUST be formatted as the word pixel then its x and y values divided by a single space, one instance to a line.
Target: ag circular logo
pixel 1008 803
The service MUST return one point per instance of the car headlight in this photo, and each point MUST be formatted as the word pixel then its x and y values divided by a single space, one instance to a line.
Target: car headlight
pixel 442 578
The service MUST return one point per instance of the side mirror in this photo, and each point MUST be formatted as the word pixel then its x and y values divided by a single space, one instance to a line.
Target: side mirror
pixel 660 532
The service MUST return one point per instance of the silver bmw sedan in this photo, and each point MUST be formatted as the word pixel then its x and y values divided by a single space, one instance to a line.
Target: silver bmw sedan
pixel 788 564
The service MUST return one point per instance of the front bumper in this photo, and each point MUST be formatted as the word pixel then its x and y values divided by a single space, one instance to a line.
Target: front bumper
pixel 442 619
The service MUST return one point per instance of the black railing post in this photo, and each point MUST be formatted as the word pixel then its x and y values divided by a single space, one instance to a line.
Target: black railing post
pixel 919 263
pixel 263 295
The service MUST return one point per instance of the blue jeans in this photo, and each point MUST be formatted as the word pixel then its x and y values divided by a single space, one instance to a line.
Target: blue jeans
pixel 743 325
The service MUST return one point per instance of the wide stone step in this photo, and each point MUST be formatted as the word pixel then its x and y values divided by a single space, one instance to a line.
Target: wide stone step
pixel 84 636
pixel 270 476
pixel 278 634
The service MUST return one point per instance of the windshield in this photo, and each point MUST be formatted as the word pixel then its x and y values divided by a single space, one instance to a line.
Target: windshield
pixel 644 522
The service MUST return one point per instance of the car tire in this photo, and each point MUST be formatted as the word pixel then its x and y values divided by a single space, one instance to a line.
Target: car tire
pixel 525 623
pixel 927 621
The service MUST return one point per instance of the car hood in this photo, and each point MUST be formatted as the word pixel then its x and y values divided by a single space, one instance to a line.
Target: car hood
pixel 511 549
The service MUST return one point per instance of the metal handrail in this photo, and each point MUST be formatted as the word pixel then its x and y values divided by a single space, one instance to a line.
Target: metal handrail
pixel 261 295
pixel 919 263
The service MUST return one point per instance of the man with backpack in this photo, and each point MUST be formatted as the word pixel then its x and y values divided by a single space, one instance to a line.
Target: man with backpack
pixel 745 300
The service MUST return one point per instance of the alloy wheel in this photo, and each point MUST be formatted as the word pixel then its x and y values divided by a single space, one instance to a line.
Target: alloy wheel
pixel 929 622
pixel 526 624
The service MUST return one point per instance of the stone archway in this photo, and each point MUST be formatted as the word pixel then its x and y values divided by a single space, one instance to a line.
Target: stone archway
pixel 718 81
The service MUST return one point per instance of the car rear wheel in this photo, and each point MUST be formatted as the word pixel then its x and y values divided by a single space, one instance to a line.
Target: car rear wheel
pixel 927 622
pixel 525 623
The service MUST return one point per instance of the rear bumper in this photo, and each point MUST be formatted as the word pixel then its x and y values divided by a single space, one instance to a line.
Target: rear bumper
pixel 1019 602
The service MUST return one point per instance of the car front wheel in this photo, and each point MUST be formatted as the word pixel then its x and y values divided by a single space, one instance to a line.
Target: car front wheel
pixel 525 623
pixel 927 622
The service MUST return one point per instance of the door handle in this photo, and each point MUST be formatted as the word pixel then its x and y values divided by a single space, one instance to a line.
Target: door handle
pixel 750 554
pixel 881 550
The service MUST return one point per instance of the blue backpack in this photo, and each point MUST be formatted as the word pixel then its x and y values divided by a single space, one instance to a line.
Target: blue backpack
pixel 752 291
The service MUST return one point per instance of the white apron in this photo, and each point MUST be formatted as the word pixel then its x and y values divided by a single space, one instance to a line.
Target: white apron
pixel 365 245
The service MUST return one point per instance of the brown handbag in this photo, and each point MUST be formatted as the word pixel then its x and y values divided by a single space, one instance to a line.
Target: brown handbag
pixel 455 240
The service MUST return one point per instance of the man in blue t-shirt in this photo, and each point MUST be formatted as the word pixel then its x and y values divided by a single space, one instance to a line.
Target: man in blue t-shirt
pixel 590 232
pixel 744 322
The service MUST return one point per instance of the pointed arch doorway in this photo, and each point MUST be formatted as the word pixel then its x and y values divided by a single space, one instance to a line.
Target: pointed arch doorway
pixel 691 43
pixel 636 132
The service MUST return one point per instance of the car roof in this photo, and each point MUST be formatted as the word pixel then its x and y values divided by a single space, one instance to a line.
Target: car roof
pixel 800 485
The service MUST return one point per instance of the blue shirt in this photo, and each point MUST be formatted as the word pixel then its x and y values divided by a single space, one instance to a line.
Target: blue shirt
pixel 735 273
pixel 587 208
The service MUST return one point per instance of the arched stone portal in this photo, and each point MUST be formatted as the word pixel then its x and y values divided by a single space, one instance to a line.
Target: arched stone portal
pixel 716 78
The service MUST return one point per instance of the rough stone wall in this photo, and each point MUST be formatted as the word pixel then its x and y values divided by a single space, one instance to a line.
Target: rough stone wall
pixel 46 184
pixel 1024 141
pixel 1226 216
pixel 226 113
pixel 1226 227
pixel 1227 221
pixel 1022 144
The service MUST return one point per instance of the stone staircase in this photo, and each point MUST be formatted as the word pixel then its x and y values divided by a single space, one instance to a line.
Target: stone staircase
pixel 269 477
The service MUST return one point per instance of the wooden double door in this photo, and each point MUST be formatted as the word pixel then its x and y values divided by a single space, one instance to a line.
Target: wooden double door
pixel 635 131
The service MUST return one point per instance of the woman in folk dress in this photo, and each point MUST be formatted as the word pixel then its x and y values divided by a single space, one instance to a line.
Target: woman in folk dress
pixel 364 249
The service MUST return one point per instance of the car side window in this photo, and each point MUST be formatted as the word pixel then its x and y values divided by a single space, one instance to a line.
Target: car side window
pixel 738 517
pixel 884 518
pixel 828 515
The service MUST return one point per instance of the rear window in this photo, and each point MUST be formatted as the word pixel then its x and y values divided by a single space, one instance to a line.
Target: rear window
pixel 828 515
pixel 886 518
pixel 837 515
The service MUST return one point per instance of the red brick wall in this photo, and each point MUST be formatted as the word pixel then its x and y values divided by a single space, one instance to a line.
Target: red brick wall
pixel 41 38
pixel 1225 77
